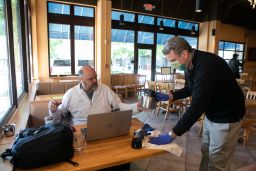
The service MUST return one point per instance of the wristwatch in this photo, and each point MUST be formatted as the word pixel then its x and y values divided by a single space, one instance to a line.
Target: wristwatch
pixel 172 134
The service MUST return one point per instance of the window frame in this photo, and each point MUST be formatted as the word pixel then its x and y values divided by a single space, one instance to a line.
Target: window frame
pixel 15 100
pixel 73 21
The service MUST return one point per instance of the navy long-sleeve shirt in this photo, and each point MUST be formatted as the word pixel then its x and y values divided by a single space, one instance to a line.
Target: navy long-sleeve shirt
pixel 214 92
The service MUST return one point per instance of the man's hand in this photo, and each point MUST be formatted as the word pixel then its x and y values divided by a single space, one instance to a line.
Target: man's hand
pixel 53 105
pixel 163 138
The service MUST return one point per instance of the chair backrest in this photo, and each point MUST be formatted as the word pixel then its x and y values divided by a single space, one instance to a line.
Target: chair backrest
pixel 129 79
pixel 240 81
pixel 38 110
pixel 116 79
pixel 141 79
pixel 57 88
pixel 69 85
pixel 179 76
pixel 180 81
pixel 251 95
pixel 151 85
pixel 43 88
pixel 163 87
pixel 243 74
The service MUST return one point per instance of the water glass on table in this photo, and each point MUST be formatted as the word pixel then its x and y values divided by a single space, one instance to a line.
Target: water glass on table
pixel 78 141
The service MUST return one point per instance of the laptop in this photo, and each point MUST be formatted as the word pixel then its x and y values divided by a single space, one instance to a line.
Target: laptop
pixel 107 125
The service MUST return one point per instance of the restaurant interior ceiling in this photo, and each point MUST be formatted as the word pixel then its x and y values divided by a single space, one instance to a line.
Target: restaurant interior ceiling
pixel 235 12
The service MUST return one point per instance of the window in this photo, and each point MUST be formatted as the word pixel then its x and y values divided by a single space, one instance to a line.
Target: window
pixel 137 44
pixel 68 39
pixel 84 11
pixel 56 8
pixel 166 22
pixel 161 60
pixel 17 47
pixel 227 49
pixel 129 17
pixel 145 37
pixel 122 51
pixel 84 37
pixel 192 41
pixel 5 93
pixel 187 25
pixel 59 42
pixel 144 19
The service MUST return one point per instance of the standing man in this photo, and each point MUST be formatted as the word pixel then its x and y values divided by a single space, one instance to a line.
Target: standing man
pixel 214 92
pixel 234 64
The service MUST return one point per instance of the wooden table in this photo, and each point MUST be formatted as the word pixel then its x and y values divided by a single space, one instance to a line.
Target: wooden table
pixel 49 97
pixel 105 153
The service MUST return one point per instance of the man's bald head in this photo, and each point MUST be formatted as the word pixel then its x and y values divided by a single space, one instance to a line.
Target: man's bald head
pixel 86 70
pixel 88 77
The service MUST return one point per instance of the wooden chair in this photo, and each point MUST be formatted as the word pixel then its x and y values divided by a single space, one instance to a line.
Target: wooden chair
pixel 129 80
pixel 201 122
pixel 141 82
pixel 117 84
pixel 151 85
pixel 171 106
pixel 249 120
pixel 163 88
pixel 240 81
pixel 179 83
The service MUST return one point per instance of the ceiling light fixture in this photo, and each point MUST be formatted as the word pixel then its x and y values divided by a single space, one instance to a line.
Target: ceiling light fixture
pixel 193 29
pixel 161 26
pixel 121 20
pixel 252 3
pixel 198 6
pixel 121 17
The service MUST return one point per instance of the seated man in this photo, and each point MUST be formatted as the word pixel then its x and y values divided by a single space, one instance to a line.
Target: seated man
pixel 88 97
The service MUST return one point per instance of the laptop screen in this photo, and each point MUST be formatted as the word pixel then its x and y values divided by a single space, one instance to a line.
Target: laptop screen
pixel 107 125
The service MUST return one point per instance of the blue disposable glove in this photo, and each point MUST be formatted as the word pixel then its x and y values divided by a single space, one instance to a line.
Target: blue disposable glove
pixel 161 96
pixel 146 128
pixel 163 138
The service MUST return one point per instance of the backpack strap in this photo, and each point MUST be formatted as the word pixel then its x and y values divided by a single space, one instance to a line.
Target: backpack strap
pixel 72 162
pixel 7 153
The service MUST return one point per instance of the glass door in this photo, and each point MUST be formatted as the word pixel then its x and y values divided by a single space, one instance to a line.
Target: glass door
pixel 145 62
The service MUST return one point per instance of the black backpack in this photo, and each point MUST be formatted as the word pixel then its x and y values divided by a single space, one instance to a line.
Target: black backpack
pixel 36 147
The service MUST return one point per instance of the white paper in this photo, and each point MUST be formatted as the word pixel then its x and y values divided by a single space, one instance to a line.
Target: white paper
pixel 171 148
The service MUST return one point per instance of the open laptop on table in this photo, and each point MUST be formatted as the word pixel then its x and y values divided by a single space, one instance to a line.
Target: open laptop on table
pixel 107 125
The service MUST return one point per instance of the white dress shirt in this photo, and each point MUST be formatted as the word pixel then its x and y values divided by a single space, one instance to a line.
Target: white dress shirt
pixel 76 101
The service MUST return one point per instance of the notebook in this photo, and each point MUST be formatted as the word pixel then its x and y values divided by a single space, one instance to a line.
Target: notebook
pixel 107 125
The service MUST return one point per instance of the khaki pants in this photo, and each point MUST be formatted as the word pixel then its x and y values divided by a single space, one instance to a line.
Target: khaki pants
pixel 218 145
